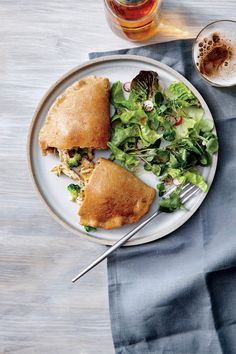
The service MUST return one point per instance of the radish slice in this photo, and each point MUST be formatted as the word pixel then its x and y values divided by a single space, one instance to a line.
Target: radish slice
pixel 127 86
pixel 176 181
pixel 148 106
pixel 179 121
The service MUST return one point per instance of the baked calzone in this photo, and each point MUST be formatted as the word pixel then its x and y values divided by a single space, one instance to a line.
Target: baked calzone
pixel 114 197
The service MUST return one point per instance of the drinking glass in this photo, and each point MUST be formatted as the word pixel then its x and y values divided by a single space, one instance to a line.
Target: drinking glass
pixel 214 53
pixel 135 20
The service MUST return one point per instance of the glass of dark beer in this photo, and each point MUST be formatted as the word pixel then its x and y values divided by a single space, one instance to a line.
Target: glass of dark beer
pixel 214 53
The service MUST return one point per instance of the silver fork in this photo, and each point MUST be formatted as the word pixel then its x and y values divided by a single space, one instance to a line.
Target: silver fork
pixel 187 192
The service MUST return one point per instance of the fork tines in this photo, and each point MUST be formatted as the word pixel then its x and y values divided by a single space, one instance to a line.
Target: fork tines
pixel 188 192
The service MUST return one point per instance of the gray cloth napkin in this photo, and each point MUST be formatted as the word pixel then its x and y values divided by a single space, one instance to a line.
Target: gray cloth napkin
pixel 178 294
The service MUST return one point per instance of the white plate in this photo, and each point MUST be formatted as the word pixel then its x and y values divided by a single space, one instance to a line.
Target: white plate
pixel 52 189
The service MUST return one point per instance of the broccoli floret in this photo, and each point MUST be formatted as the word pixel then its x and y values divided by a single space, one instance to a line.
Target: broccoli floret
pixel 74 190
pixel 89 228
pixel 74 161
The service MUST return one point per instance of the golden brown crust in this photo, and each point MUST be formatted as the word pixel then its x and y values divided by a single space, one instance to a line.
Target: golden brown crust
pixel 114 197
pixel 80 117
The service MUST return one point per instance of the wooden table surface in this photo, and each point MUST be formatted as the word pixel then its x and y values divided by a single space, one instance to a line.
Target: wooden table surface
pixel 40 310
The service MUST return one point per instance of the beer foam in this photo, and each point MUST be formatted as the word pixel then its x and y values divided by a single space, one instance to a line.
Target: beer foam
pixel 226 73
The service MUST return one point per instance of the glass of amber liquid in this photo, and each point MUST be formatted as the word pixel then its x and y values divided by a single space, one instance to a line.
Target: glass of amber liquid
pixel 135 20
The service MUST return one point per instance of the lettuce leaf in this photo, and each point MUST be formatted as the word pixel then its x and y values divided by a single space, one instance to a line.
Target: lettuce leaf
pixel 138 116
pixel 194 112
pixel 128 160
pixel 170 204
pixel 195 178
pixel 117 97
pixel 205 125
pixel 121 133
pixel 212 145
pixel 144 86
pixel 181 95
pixel 148 136
pixel 182 130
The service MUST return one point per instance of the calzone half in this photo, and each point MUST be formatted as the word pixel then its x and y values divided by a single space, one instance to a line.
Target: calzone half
pixel 114 197
pixel 79 118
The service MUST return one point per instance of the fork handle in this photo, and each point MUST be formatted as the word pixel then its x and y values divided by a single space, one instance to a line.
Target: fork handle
pixel 116 245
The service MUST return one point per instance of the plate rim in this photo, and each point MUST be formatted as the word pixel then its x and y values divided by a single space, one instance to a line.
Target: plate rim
pixel 43 100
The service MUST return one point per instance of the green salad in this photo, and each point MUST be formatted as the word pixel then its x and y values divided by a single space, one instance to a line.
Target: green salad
pixel 164 130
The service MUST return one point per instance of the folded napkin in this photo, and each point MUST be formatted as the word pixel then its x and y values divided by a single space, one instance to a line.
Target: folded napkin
pixel 178 294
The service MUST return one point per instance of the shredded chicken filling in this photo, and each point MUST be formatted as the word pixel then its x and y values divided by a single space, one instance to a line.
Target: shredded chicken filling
pixel 80 174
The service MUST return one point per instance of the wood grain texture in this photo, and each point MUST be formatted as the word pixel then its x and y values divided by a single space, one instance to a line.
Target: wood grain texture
pixel 40 310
